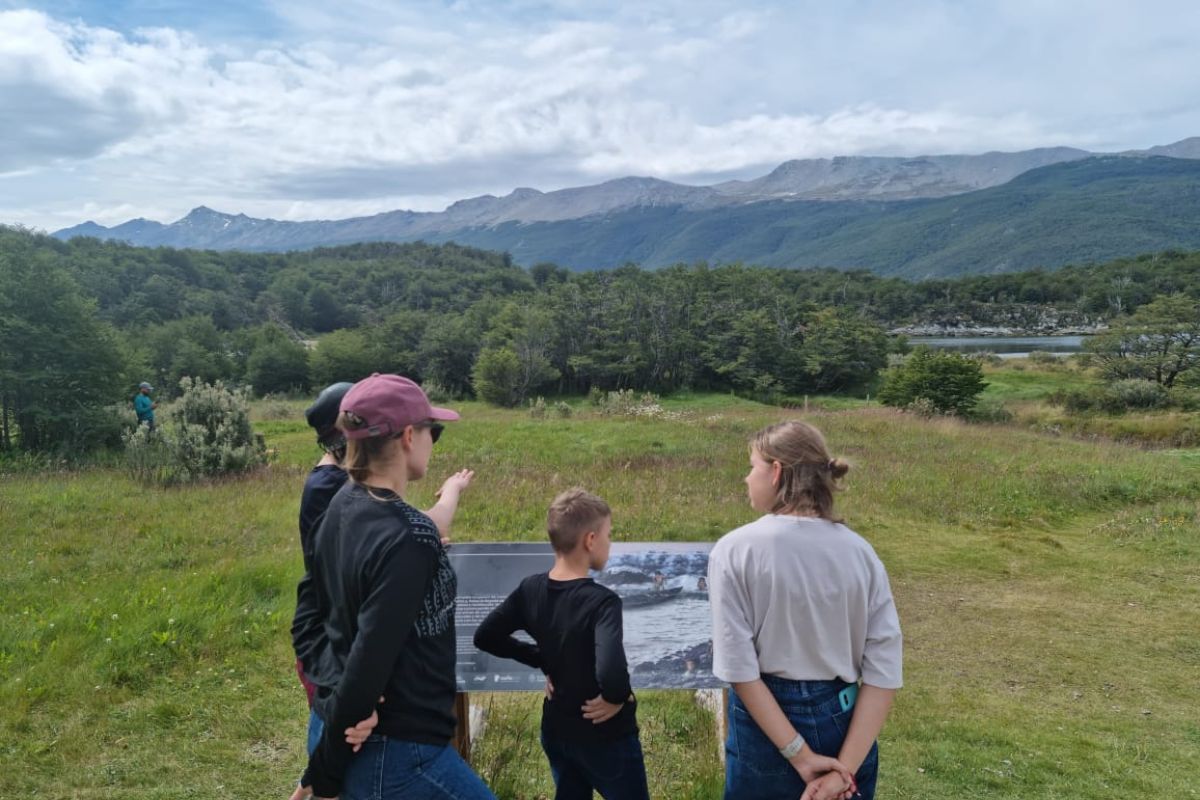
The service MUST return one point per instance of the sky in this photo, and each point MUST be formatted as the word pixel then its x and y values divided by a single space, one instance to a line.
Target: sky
pixel 299 109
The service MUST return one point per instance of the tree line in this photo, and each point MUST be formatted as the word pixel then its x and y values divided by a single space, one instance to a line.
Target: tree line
pixel 81 322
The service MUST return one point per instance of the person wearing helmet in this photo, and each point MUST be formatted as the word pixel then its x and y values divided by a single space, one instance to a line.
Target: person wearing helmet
pixel 321 485
pixel 387 592
pixel 309 640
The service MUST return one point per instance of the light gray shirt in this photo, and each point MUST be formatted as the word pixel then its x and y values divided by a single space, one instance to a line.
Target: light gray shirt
pixel 805 599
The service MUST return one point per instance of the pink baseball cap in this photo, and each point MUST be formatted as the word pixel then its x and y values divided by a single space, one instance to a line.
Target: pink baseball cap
pixel 389 403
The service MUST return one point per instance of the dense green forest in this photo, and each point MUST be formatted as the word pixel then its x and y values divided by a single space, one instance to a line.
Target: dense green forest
pixel 83 321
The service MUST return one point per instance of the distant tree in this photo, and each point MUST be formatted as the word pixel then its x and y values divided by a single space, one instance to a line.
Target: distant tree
pixel 277 364
pixel 1159 342
pixel 192 347
pixel 397 343
pixel 497 377
pixel 60 365
pixel 324 313
pixel 839 350
pixel 950 383
pixel 529 333
pixel 448 350
pixel 545 272
pixel 345 355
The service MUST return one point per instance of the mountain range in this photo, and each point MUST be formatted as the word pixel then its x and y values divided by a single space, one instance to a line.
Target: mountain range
pixel 916 217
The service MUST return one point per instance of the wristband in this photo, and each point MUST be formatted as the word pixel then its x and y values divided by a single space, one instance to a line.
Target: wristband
pixel 792 747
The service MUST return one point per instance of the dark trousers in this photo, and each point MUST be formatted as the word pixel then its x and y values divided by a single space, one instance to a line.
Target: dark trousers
pixel 615 769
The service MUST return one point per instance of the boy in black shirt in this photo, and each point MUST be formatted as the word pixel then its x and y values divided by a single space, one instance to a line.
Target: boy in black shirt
pixel 589 722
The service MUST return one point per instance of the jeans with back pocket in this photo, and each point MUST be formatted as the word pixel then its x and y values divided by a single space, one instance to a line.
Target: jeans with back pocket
pixel 754 769
pixel 387 768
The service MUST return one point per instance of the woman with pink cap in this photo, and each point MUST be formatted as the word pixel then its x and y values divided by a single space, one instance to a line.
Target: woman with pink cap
pixel 386 593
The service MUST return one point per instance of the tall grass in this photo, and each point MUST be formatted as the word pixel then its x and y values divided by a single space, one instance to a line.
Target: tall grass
pixel 1048 588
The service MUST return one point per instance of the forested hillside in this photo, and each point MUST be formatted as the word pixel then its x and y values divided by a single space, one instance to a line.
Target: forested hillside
pixel 1096 209
pixel 84 320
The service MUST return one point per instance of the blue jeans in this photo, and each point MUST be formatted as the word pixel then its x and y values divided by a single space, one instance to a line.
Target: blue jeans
pixel 615 769
pixel 391 768
pixel 316 727
pixel 754 769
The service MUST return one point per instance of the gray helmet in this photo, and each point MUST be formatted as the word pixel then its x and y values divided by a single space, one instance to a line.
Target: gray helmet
pixel 323 413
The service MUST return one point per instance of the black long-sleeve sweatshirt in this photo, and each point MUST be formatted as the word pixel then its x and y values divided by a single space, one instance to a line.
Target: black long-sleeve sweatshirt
pixel 386 593
pixel 307 629
pixel 577 627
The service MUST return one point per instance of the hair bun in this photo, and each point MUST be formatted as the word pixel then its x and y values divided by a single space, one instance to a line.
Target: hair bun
pixel 838 468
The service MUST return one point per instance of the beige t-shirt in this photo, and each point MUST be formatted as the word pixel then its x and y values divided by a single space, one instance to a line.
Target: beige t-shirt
pixel 804 599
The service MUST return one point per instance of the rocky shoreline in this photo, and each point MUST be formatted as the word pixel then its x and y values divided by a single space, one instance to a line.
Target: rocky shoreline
pixel 1003 319
pixel 959 331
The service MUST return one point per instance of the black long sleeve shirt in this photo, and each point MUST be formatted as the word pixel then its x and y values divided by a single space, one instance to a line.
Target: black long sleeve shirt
pixel 307 629
pixel 386 594
pixel 577 628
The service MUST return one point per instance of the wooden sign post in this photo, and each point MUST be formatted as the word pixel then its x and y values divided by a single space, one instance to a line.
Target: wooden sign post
pixel 462 732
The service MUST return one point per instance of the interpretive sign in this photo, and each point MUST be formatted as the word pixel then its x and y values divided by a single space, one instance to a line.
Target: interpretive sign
pixel 664 594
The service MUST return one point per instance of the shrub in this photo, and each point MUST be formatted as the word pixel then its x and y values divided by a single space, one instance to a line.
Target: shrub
pixel 497 377
pixel 949 381
pixel 537 408
pixel 275 406
pixel 922 407
pixel 990 410
pixel 1184 398
pixel 563 410
pixel 437 393
pixel 986 357
pixel 1075 401
pixel 625 403
pixel 207 435
pixel 766 390
pixel 99 428
pixel 1131 394
pixel 1044 359
pixel 595 396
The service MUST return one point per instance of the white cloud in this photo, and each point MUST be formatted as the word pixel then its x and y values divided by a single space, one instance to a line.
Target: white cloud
pixel 419 104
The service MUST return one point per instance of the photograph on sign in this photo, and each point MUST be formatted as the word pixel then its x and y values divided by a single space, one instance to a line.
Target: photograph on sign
pixel 664 596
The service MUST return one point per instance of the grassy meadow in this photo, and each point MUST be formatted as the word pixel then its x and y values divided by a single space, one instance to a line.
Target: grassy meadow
pixel 1049 589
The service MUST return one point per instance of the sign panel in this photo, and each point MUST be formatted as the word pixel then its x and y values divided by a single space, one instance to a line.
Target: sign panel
pixel 664 594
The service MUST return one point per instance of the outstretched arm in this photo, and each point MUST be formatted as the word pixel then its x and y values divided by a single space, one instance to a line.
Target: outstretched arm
pixel 442 512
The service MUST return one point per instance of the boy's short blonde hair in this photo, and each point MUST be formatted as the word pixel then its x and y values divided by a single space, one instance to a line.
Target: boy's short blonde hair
pixel 572 514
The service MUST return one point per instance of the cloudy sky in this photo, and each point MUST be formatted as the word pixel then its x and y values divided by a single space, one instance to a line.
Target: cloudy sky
pixel 299 109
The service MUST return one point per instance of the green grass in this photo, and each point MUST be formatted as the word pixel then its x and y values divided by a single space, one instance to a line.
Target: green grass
pixel 1048 589
pixel 1023 387
pixel 1018 380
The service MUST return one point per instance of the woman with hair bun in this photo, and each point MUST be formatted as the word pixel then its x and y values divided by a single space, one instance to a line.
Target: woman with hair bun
pixel 805 630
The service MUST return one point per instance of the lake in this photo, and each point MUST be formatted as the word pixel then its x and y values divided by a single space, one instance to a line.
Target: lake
pixel 1003 346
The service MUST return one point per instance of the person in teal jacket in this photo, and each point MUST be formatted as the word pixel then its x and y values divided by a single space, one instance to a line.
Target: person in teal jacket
pixel 144 406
